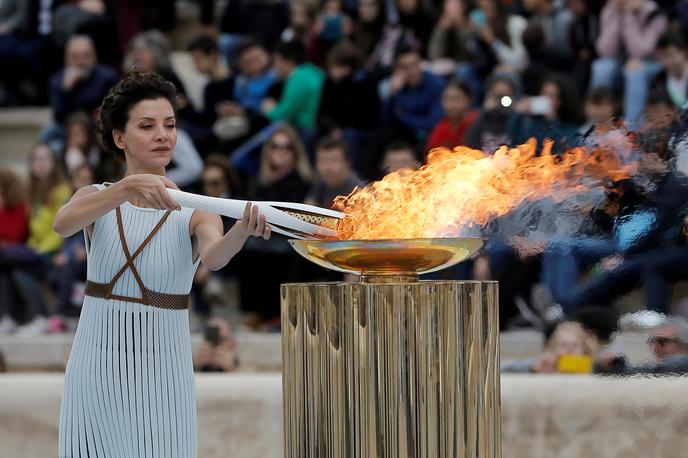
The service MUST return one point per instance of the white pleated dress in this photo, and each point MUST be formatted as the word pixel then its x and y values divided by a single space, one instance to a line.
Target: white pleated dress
pixel 129 385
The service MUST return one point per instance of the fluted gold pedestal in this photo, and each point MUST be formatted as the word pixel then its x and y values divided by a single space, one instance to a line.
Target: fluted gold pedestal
pixel 391 369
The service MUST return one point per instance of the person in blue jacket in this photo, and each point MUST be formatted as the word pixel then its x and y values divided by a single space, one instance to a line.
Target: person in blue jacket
pixel 412 97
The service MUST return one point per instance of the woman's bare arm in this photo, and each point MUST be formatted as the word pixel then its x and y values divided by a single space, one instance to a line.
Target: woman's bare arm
pixel 216 249
pixel 88 204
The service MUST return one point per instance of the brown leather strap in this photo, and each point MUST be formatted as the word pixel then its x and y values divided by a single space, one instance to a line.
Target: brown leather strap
pixel 130 260
pixel 159 300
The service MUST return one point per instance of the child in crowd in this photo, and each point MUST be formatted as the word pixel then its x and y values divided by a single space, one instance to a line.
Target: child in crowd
pixel 48 190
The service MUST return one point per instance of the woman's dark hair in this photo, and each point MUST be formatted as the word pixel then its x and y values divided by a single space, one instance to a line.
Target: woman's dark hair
pixel 203 43
pixel 671 39
pixel 499 22
pixel 459 84
pixel 133 88
pixel 599 95
pixel 245 44
pixel 86 121
pixel 570 110
pixel 533 37
pixel 11 188
pixel 345 54
pixel 230 175
pixel 292 51
pixel 42 190
pixel 602 322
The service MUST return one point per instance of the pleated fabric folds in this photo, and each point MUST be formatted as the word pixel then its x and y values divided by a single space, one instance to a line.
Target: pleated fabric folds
pixel 129 385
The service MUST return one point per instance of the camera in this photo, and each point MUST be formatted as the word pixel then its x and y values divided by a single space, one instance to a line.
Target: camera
pixel 212 335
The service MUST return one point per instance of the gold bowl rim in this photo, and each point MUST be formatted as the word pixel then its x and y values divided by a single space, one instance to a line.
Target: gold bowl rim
pixel 472 245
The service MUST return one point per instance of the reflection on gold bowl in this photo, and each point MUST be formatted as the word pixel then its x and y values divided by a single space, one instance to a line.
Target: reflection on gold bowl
pixel 393 257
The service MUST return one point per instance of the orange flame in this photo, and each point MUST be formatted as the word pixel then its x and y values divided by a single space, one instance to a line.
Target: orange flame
pixel 464 187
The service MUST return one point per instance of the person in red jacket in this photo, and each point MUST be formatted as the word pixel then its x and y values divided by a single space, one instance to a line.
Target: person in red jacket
pixel 459 116
pixel 14 229
pixel 14 223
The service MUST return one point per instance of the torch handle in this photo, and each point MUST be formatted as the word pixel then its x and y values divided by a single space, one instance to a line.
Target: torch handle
pixel 280 222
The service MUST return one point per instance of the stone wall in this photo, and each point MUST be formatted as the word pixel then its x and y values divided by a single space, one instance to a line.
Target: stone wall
pixel 239 415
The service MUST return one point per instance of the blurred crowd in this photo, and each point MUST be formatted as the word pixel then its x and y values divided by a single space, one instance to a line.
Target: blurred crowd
pixel 303 101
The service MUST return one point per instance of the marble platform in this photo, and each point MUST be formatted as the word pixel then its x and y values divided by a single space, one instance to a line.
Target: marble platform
pixel 239 415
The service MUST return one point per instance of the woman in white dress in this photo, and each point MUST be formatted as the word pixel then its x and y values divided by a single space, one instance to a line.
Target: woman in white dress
pixel 129 386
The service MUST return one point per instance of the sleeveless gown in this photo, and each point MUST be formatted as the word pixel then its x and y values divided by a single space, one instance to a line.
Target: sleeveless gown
pixel 129 385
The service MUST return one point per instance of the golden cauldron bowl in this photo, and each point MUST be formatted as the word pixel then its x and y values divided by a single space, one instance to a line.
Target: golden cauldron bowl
pixel 388 257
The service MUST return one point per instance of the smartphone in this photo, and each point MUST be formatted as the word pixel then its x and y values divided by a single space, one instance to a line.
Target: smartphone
pixel 212 335
pixel 540 105
pixel 575 364
pixel 478 17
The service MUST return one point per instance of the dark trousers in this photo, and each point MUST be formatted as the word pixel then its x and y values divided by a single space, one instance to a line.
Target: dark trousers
pixel 516 277
pixel 22 268
pixel 565 259
pixel 656 270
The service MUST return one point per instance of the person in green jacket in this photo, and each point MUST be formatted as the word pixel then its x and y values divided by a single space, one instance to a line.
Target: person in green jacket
pixel 303 84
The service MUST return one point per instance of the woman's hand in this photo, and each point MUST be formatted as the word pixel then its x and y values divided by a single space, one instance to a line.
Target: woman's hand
pixel 546 364
pixel 205 355
pixel 267 105
pixel 216 249
pixel 152 189
pixel 252 223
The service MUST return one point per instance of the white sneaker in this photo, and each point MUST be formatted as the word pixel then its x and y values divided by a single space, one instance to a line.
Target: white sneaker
pixel 641 321
pixel 38 325
pixel 7 325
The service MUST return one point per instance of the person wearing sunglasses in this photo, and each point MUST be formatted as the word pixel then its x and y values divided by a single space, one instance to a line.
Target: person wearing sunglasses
pixel 284 175
pixel 669 345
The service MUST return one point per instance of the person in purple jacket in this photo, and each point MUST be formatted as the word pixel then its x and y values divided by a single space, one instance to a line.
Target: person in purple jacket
pixel 629 30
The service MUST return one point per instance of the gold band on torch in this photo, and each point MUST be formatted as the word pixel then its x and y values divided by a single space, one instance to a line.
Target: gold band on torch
pixel 391 370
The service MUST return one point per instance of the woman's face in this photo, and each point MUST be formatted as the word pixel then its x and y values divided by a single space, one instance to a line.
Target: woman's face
pixel 282 66
pixel 144 59
pixel 455 102
pixel 214 183
pixel 488 6
pixel 551 90
pixel 77 136
pixel 497 93
pixel 368 10
pixel 82 176
pixel 149 136
pixel 407 6
pixel 282 154
pixel 299 17
pixel 42 162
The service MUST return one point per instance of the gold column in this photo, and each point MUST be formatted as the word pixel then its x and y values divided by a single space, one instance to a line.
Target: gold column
pixel 391 370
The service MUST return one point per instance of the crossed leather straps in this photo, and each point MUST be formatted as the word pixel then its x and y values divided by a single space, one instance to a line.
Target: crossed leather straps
pixel 145 292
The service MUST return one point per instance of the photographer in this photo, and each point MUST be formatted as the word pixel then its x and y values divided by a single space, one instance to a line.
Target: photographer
pixel 217 353
pixel 554 113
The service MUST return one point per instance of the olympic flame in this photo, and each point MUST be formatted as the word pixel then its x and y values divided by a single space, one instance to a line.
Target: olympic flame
pixel 463 187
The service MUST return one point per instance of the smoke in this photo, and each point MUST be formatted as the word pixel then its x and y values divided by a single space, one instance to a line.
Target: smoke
pixel 526 192
pixel 535 222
